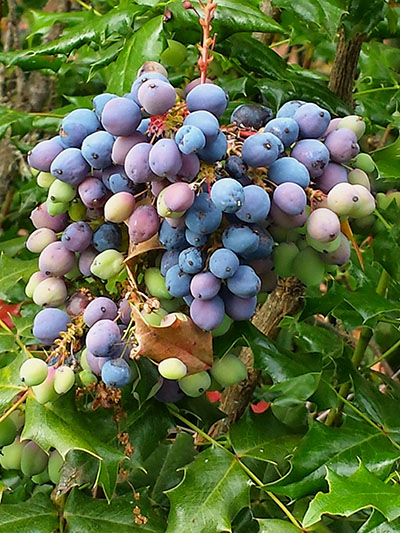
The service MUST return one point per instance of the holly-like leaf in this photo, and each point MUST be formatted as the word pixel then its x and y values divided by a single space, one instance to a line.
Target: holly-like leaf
pixel 146 427
pixel 90 515
pixel 36 515
pixel 232 16
pixel 180 338
pixel 362 17
pixel 59 425
pixel 146 44
pixel 263 437
pixel 347 495
pixel 13 270
pixel 147 383
pixel 212 492
pixel 377 523
pixel 381 408
pixel 339 449
pixel 276 526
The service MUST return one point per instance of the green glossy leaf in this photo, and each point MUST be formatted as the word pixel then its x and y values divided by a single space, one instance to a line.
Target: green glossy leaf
pixel 378 524
pixel 62 427
pixel 90 515
pixel 231 16
pixel 292 392
pixel 13 270
pixel 387 160
pixel 279 363
pixel 263 437
pixel 381 408
pixel 40 22
pixel 146 427
pixel 347 495
pixel 146 44
pixel 339 449
pixel 318 15
pixel 147 383
pixel 276 526
pixel 10 382
pixel 36 515
pixel 212 492
pixel 362 17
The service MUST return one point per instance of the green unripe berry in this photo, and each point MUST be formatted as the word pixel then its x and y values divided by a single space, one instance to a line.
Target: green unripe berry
pixel 8 432
pixel 56 208
pixel 283 256
pixel 77 210
pixel 44 179
pixel 353 123
pixel 33 459
pixel 155 283
pixel 45 391
pixel 107 264
pixel 229 370
pixel 308 267
pixel 155 317
pixel 223 327
pixel 64 379
pixel 196 384
pixel 87 377
pixel 83 360
pixel 11 455
pixel 324 246
pixel 364 162
pixel 172 368
pixel 33 371
pixel 175 54
pixel 60 191
pixel 54 466
pixel 42 478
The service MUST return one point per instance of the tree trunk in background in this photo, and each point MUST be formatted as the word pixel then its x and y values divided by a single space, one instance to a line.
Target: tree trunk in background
pixel 344 67
pixel 285 300
pixel 266 7
pixel 22 91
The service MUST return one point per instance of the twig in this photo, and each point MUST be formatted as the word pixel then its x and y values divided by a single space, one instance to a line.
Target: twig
pixel 88 7
pixel 388 352
pixel 207 46
pixel 14 406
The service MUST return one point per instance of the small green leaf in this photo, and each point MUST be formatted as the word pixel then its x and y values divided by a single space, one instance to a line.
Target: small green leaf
pixel 90 515
pixel 291 392
pixel 36 515
pixel 387 160
pixel 146 44
pixel 362 17
pixel 378 524
pixel 147 383
pixel 212 492
pixel 347 495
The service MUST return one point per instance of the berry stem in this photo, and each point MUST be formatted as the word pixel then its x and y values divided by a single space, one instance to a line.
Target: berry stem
pixel 207 46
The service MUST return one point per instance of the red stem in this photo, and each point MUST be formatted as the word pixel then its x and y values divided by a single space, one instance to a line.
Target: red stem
pixel 207 46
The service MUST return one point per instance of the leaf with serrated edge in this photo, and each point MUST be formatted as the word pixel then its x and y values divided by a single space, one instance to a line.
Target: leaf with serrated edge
pixel 378 524
pixel 262 437
pixel 348 495
pixel 213 491
pixel 36 515
pixel 57 425
pixel 85 514
pixel 338 448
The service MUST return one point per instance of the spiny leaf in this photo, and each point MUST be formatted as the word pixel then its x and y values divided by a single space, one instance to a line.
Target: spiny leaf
pixel 340 449
pixel 36 515
pixel 212 492
pixel 347 495
pixel 263 437
pixel 87 514
pixel 61 426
